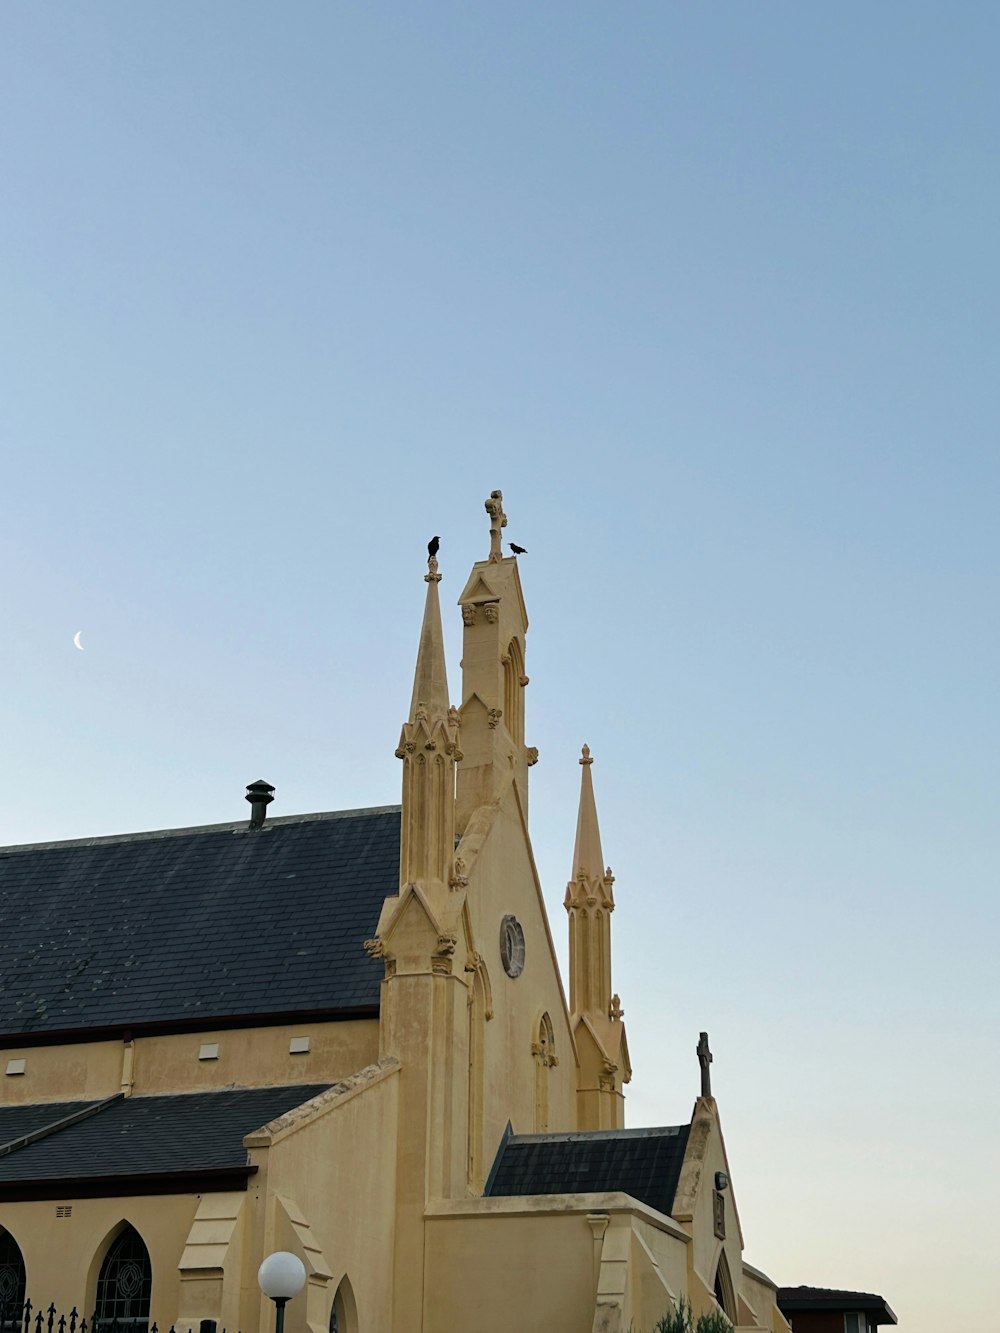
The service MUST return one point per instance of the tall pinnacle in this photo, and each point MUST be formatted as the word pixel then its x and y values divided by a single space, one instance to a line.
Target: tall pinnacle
pixel 428 747
pixel 430 679
pixel 588 857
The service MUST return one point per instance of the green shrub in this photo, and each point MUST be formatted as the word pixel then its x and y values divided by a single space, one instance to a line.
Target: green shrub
pixel 681 1321
pixel 677 1321
pixel 713 1323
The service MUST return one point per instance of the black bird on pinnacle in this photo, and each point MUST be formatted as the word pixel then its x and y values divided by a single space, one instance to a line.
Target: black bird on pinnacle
pixel 518 550
pixel 433 546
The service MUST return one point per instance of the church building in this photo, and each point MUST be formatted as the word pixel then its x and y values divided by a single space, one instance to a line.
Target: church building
pixel 345 1035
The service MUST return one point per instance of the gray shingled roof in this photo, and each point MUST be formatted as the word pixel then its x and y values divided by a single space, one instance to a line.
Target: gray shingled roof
pixel 141 1136
pixel 645 1163
pixel 190 925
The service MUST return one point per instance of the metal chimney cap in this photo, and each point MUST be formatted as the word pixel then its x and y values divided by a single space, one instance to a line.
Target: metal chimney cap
pixel 259 792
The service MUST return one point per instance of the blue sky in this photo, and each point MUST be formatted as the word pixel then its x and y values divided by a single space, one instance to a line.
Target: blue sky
pixel 711 292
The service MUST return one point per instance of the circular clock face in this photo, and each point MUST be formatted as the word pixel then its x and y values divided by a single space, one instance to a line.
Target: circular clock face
pixel 512 946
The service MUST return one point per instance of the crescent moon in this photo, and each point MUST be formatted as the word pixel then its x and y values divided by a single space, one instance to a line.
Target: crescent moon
pixel 76 641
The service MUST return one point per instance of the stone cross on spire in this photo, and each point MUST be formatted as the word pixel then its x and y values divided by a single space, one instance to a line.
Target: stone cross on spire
pixel 498 521
pixel 705 1059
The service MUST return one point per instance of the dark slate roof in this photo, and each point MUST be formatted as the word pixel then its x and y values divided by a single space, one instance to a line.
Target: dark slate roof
pixel 142 1136
pixel 188 925
pixel 828 1298
pixel 645 1163
pixel 16 1121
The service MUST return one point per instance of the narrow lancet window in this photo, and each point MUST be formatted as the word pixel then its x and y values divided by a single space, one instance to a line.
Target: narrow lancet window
pixel 125 1284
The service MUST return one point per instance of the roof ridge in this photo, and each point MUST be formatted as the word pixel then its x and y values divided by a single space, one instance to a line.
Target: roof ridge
pixel 221 1092
pixel 571 1135
pixel 54 1126
pixel 234 826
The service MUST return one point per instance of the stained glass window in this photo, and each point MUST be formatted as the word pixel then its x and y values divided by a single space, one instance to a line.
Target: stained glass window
pixel 125 1284
pixel 12 1281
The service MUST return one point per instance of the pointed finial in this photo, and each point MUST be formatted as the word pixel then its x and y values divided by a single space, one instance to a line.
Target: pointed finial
pixel 498 521
pixel 586 756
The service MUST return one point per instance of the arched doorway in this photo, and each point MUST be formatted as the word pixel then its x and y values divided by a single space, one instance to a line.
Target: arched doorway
pixel 125 1283
pixel 13 1281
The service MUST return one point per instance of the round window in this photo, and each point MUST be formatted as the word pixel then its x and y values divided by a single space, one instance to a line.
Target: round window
pixel 512 946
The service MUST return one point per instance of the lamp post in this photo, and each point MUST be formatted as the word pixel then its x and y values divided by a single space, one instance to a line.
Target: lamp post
pixel 281 1276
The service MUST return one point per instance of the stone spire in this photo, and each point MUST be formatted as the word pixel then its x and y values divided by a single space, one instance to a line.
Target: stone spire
pixel 588 858
pixel 428 747
pixel 430 679
pixel 589 902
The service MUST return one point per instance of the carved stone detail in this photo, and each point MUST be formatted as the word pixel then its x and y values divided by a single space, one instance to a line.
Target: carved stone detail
pixel 719 1215
pixel 441 958
pixel 615 1012
pixel 532 753
pixel 494 716
pixel 374 948
pixel 459 879
pixel 492 612
pixel 498 521
pixel 469 615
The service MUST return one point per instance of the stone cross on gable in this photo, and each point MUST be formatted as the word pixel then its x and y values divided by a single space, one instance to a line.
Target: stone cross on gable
pixel 498 521
pixel 705 1059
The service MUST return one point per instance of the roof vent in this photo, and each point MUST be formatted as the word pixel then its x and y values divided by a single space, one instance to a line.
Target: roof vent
pixel 260 795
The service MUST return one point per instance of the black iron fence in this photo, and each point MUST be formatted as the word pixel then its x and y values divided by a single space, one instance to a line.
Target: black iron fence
pixel 27 1319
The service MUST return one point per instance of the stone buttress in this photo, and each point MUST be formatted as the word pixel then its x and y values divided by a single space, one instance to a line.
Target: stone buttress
pixel 421 939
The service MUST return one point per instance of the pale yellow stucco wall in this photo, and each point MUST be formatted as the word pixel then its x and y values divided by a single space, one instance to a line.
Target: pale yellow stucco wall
pixel 487 1273
pixel 254 1057
pixel 760 1294
pixel 80 1071
pixel 62 1256
pixel 503 881
pixel 330 1182
pixel 560 1263
pixel 247 1058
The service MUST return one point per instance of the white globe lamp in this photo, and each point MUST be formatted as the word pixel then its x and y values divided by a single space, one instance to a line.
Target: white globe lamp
pixel 281 1276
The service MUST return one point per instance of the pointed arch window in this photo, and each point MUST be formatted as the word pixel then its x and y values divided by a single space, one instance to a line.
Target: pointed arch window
pixel 513 691
pixel 13 1280
pixel 125 1284
pixel 724 1292
pixel 344 1313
